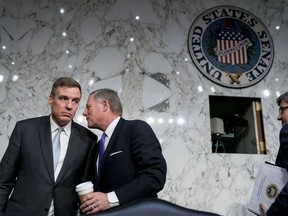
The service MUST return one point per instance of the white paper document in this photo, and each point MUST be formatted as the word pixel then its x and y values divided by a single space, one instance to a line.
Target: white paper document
pixel 269 182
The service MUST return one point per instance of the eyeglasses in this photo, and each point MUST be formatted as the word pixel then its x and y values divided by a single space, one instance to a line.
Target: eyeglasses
pixel 282 109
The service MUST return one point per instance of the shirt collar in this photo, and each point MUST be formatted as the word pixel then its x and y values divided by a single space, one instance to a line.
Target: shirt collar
pixel 112 126
pixel 66 128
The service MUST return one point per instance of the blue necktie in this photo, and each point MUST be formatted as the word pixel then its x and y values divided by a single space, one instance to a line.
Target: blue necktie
pixel 101 151
pixel 56 147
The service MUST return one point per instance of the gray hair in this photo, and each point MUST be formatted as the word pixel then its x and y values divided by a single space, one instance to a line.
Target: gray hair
pixel 111 96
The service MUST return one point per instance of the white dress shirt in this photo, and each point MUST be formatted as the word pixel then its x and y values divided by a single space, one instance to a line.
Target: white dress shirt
pixel 64 140
pixel 113 199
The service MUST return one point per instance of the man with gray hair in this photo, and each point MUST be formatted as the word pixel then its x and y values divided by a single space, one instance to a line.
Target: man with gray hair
pixel 127 164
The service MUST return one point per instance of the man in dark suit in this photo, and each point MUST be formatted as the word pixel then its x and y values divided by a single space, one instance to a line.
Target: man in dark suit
pixel 280 205
pixel 37 186
pixel 132 166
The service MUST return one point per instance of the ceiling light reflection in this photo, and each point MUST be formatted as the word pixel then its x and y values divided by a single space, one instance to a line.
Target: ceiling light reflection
pixel 200 88
pixel 1 78
pixel 91 82
pixel 80 119
pixel 150 120
pixel 15 78
pixel 181 121
pixel 266 92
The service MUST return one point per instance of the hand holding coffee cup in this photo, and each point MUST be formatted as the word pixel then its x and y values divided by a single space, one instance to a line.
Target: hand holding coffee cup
pixel 83 189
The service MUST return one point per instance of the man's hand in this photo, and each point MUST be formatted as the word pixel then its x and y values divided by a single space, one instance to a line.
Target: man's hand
pixel 95 202
pixel 263 208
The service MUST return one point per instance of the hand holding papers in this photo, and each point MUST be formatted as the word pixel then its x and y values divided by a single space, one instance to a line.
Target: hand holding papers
pixel 269 181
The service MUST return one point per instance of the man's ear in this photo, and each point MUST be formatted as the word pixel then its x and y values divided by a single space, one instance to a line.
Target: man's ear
pixel 105 105
pixel 50 99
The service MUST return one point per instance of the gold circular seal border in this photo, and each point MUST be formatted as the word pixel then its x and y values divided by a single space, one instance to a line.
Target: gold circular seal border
pixel 245 78
pixel 271 191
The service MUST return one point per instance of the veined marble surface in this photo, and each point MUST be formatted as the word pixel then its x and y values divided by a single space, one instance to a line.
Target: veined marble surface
pixel 102 44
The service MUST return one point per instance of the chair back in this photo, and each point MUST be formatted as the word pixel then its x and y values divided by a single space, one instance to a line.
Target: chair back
pixel 152 207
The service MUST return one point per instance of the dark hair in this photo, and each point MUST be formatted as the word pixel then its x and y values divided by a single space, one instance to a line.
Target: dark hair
pixel 111 96
pixel 65 82
pixel 283 97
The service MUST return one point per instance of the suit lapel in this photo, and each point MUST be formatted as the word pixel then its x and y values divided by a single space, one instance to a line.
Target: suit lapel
pixel 112 142
pixel 46 145
pixel 114 136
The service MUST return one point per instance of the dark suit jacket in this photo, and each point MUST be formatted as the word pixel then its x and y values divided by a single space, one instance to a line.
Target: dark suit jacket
pixel 280 206
pixel 29 158
pixel 133 165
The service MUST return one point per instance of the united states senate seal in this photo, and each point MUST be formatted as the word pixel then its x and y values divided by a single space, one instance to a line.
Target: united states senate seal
pixel 271 191
pixel 231 46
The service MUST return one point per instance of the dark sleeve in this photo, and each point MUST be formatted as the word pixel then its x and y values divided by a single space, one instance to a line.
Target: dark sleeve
pixel 149 162
pixel 9 167
pixel 89 174
pixel 280 206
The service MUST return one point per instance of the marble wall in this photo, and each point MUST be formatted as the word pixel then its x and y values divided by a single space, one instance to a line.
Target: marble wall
pixel 139 48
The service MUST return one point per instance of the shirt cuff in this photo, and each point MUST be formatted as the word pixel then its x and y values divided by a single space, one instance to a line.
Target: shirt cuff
pixel 113 199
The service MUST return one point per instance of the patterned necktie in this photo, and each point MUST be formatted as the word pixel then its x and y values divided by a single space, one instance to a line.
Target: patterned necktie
pixel 101 151
pixel 56 147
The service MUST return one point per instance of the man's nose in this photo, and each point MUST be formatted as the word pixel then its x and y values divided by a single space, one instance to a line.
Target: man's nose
pixel 85 112
pixel 279 117
pixel 69 104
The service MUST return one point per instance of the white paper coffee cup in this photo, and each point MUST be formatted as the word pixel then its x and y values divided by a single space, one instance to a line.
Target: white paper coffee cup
pixel 83 189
